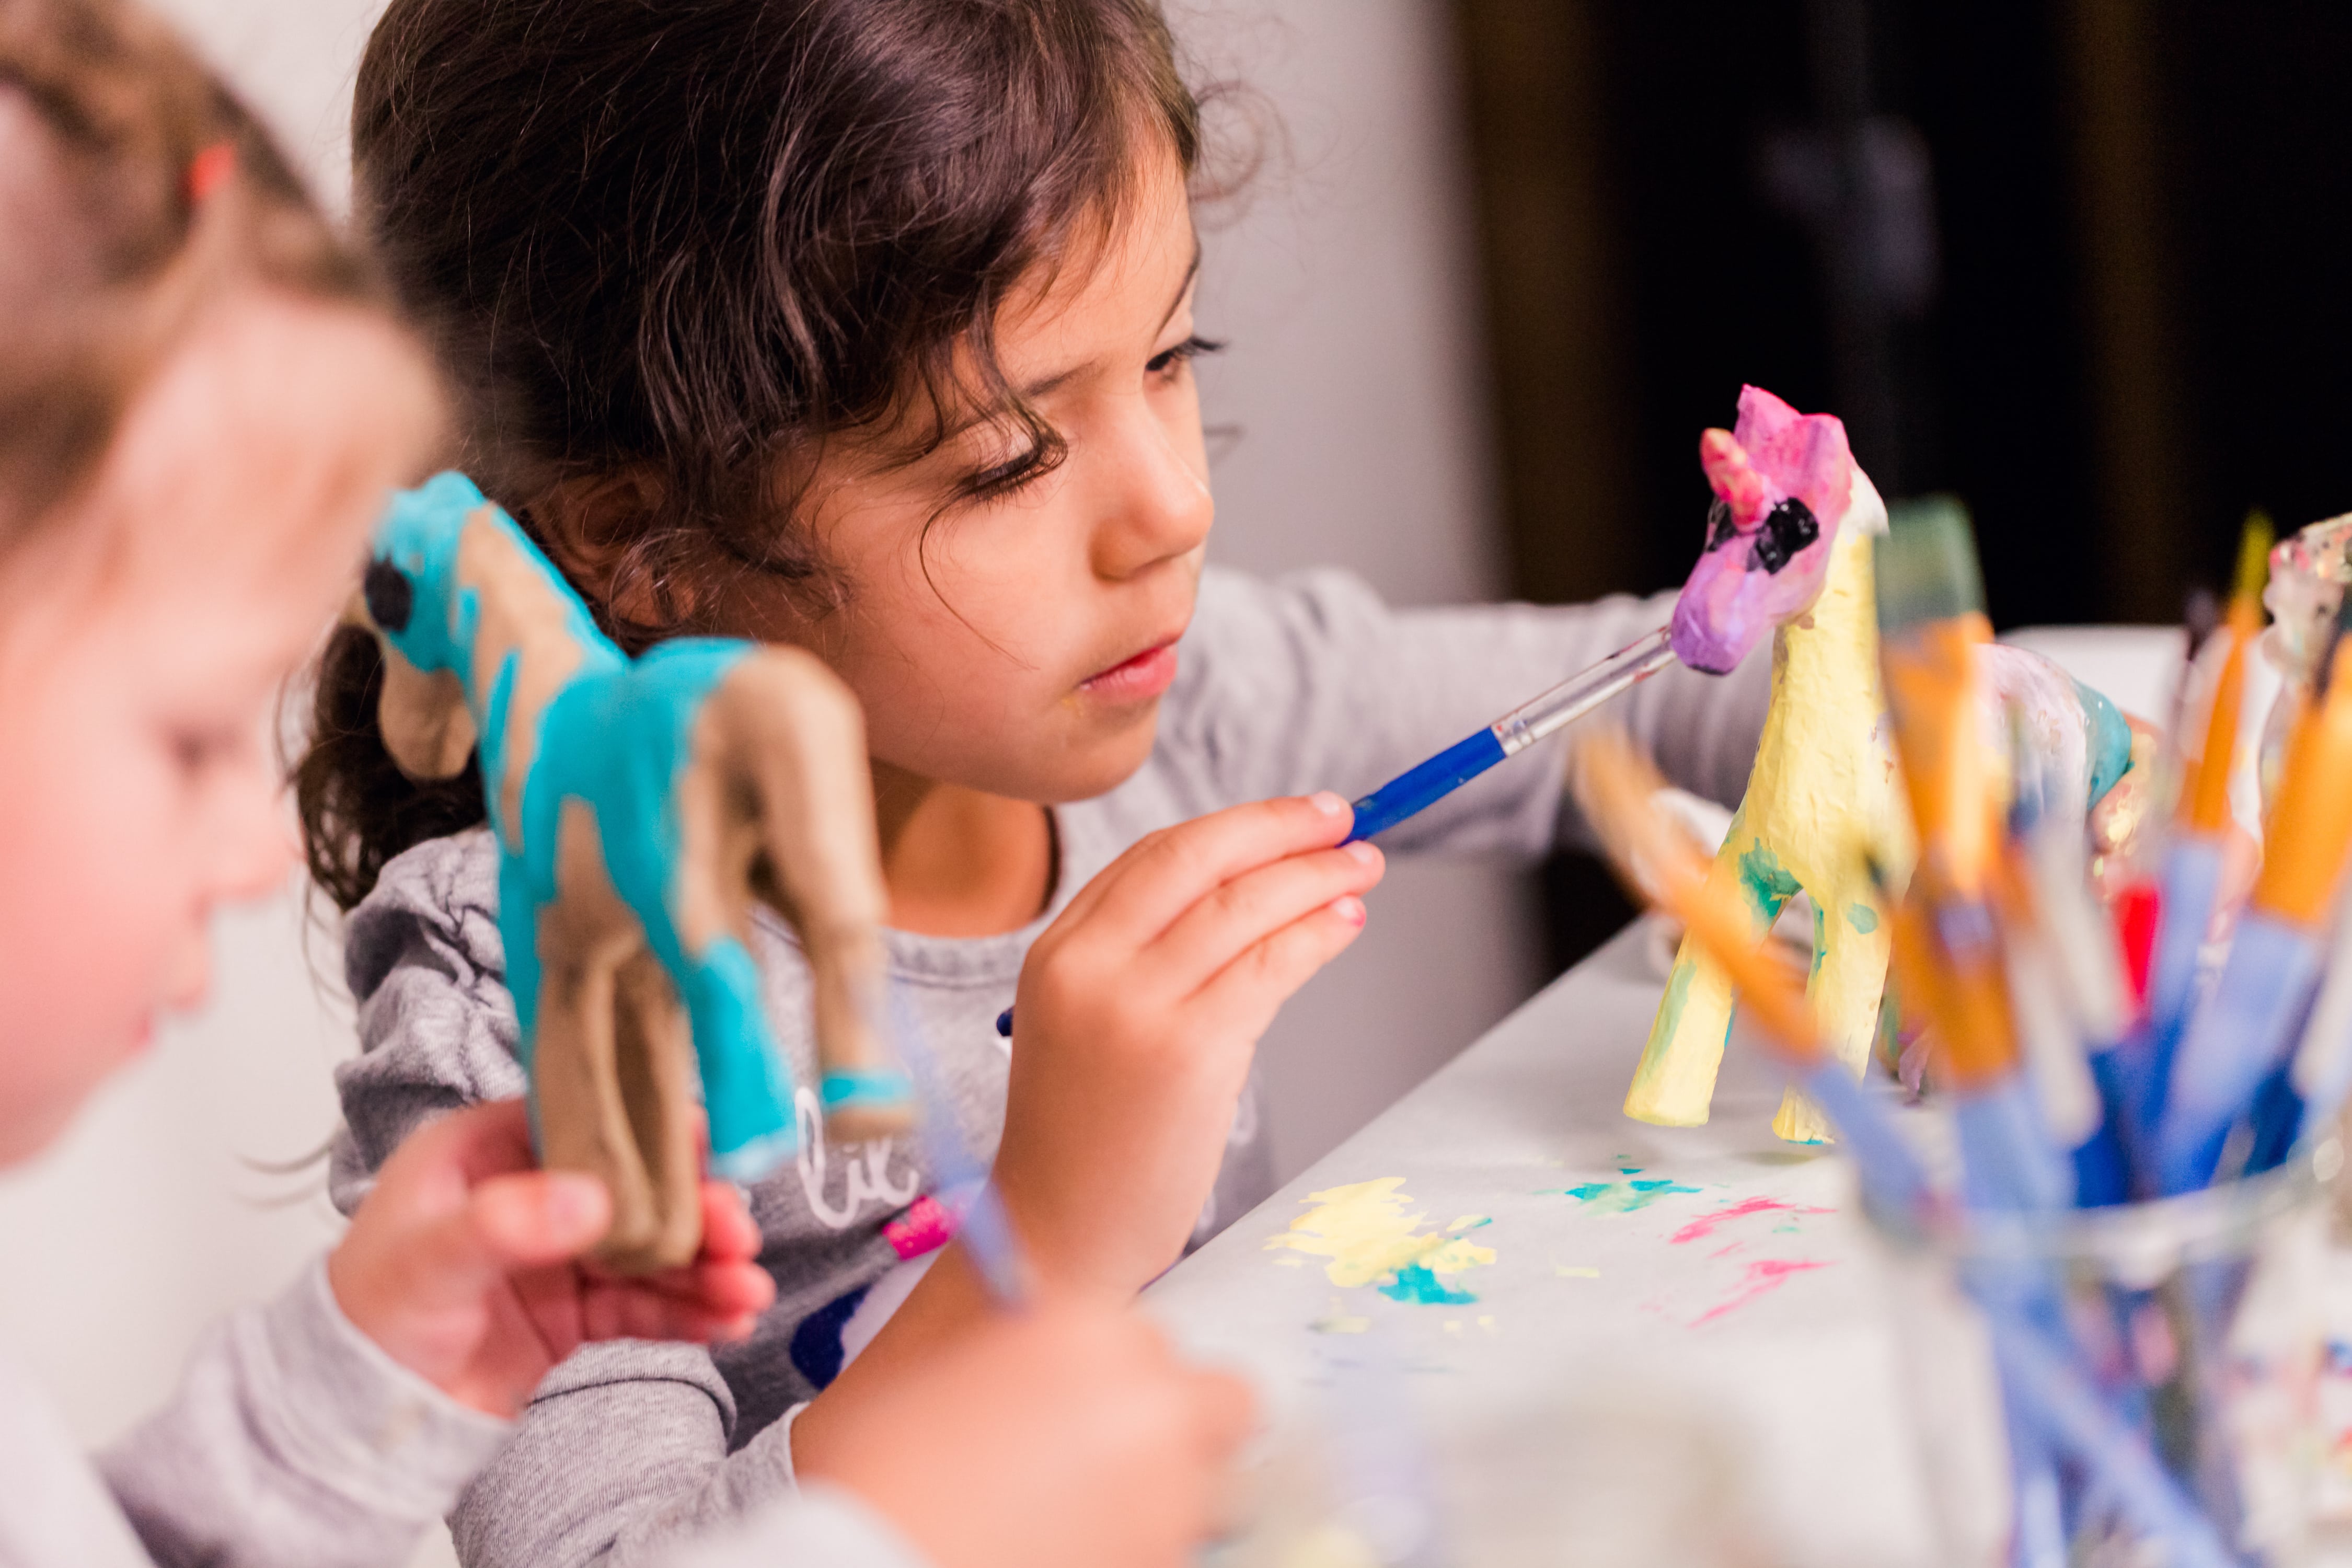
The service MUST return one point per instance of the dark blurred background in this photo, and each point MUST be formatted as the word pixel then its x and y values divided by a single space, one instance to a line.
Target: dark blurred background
pixel 2081 263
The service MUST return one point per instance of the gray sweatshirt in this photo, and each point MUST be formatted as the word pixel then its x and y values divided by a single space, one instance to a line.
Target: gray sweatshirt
pixel 1284 688
pixel 294 1442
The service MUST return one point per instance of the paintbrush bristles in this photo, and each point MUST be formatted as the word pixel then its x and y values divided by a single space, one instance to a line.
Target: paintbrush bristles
pixel 2311 824
pixel 2254 562
pixel 2205 785
pixel 1927 566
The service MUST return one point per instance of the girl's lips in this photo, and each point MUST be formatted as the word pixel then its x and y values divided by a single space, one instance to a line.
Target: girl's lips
pixel 1145 676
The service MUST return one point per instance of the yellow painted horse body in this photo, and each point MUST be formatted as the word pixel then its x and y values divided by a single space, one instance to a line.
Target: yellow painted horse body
pixel 1823 800
pixel 1789 549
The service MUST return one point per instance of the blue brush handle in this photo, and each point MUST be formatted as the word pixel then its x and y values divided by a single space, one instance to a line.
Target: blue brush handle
pixel 2103 1169
pixel 2008 1162
pixel 1891 1173
pixel 2052 1393
pixel 1417 789
pixel 2235 1043
pixel 2191 879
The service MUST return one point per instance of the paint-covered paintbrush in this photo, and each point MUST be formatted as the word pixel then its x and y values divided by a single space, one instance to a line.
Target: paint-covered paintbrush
pixel 2244 1034
pixel 1948 949
pixel 2138 900
pixel 2191 875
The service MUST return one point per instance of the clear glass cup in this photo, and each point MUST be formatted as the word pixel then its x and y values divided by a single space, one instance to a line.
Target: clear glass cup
pixel 2187 1338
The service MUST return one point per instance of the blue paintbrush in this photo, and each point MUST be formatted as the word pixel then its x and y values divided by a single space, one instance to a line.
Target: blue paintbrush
pixel 1417 789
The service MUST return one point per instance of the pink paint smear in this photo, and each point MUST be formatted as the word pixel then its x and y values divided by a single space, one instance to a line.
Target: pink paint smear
pixel 1704 1225
pixel 1761 1280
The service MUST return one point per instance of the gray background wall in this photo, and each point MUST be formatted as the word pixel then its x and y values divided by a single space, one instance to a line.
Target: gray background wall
pixel 1344 286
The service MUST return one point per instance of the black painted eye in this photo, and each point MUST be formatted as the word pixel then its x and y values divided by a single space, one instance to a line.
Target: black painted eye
pixel 391 598
pixel 1788 530
pixel 1720 528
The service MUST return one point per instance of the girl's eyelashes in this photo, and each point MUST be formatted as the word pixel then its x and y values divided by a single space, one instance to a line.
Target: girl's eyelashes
pixel 1001 478
pixel 1165 362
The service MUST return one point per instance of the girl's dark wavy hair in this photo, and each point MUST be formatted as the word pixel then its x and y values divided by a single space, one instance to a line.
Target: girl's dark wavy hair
pixel 676 242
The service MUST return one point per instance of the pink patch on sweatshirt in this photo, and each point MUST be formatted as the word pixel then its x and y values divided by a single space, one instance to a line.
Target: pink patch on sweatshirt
pixel 925 1226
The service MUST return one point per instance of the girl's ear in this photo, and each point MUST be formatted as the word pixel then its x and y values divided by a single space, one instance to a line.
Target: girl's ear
pixel 590 525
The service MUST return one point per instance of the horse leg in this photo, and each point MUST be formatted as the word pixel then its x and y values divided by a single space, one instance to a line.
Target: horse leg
pixel 1675 1083
pixel 800 742
pixel 704 903
pixel 654 1063
pixel 1675 1079
pixel 586 937
pixel 1847 989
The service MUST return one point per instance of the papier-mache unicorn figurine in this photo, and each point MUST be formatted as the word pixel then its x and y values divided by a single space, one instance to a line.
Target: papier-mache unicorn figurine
pixel 1788 551
pixel 639 807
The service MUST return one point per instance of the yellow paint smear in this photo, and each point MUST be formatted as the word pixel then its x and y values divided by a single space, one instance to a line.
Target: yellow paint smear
pixel 1368 1232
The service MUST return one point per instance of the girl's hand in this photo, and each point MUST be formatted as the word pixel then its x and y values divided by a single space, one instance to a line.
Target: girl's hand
pixel 1060 1436
pixel 1136 1018
pixel 462 1264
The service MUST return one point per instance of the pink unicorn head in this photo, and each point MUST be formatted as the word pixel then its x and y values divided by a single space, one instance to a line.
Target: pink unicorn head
pixel 1782 482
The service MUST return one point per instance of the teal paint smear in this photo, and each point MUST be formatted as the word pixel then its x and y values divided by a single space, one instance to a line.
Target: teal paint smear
pixel 1820 941
pixel 1768 883
pixel 1862 916
pixel 2109 739
pixel 1415 1284
pixel 1625 1197
pixel 1670 1011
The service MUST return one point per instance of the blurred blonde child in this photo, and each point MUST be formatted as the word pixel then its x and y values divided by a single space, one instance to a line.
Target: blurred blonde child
pixel 203 406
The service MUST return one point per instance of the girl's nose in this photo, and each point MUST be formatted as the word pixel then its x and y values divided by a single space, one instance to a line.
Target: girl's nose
pixel 1157 505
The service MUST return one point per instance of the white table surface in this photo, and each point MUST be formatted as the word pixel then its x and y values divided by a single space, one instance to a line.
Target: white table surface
pixel 1731 1361
pixel 1698 1372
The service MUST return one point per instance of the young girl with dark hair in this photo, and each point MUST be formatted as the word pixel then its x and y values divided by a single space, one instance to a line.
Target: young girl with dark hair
pixel 867 325
pixel 204 405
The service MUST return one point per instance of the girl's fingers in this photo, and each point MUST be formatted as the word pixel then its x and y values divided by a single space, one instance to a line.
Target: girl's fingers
pixel 492 1139
pixel 1141 892
pixel 531 1219
pixel 1244 997
pixel 729 1231
pixel 1241 913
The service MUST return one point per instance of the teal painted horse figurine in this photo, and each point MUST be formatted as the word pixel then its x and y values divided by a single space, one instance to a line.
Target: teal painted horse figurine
pixel 641 808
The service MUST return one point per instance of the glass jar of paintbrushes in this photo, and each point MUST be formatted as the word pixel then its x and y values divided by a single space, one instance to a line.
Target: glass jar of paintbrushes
pixel 2112 1252
pixel 2132 1385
